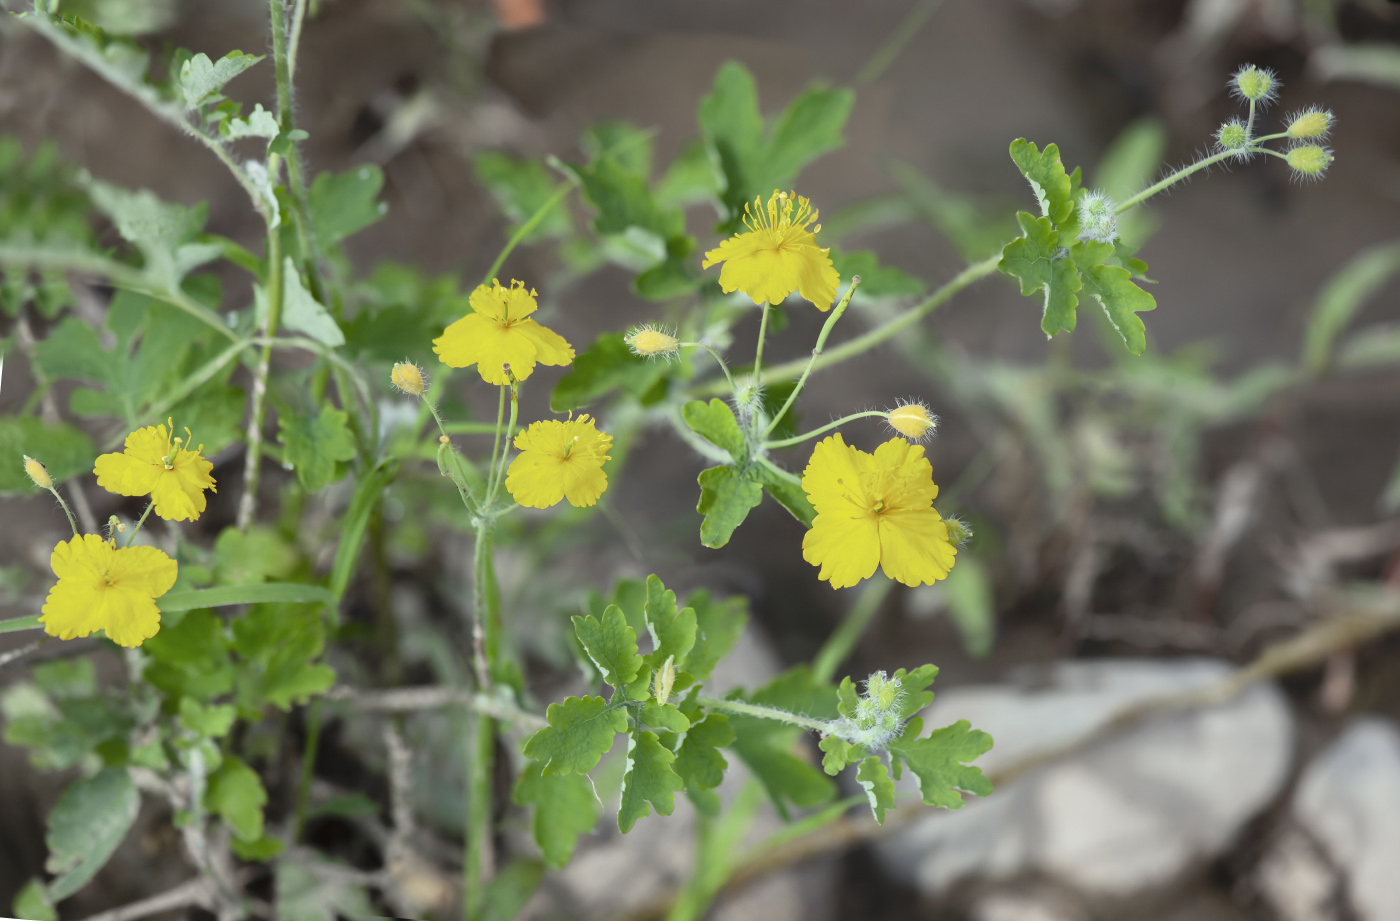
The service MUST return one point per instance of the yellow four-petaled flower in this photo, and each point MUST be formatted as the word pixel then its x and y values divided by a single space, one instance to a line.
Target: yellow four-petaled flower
pixel 499 333
pixel 172 472
pixel 101 587
pixel 874 510
pixel 778 255
pixel 559 460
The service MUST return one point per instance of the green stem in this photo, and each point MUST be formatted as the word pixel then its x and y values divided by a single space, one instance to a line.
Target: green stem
pixel 839 645
pixel 758 353
pixel 1174 178
pixel 16 624
pixel 463 428
pixel 798 439
pixel 252 463
pixel 284 61
pixel 1249 125
pixel 524 229
pixel 137 530
pixel 767 713
pixel 505 448
pixel 906 30
pixel 816 353
pixel 474 870
pixel 308 768
pixel 866 341
pixel 722 366
pixel 496 446
pixel 64 505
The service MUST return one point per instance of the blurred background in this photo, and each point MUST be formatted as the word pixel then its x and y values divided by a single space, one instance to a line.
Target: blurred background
pixel 1144 525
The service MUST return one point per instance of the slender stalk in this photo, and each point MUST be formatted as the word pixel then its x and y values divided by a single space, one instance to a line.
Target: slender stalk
pixel 284 62
pixel 906 30
pixel 838 646
pixel 798 439
pixel 816 353
pixel 144 515
pixel 766 713
pixel 496 446
pixel 888 330
pixel 1174 178
pixel 252 465
pixel 476 867
pixel 64 505
pixel 16 624
pixel 308 768
pixel 722 366
pixel 294 40
pixel 758 353
pixel 524 229
pixel 505 448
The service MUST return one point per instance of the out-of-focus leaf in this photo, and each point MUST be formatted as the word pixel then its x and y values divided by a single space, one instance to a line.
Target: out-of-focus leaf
pixel 1342 298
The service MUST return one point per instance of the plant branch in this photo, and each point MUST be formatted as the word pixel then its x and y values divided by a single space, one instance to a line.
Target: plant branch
pixel 435 697
pixel 198 891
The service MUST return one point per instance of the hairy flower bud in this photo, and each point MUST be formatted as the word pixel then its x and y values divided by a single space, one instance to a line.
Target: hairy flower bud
pixel 1310 123
pixel 1233 135
pixel 37 472
pixel 959 532
pixel 912 420
pixel 664 679
pixel 1097 219
pixel 1309 161
pixel 878 713
pixel 1256 84
pixel 409 378
pixel 650 342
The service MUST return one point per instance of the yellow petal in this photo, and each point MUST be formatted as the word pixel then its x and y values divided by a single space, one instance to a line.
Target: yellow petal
pixel 914 547
pixel 460 344
pixel 101 587
pixel 536 480
pixel 86 557
pixel 834 478
pixel 736 247
pixel 503 304
pixel 766 275
pixel 584 482
pixel 129 616
pixel 144 569
pixel 847 548
pixel 817 277
pixel 908 476
pixel 72 609
pixel 127 475
pixel 179 493
pixel 550 347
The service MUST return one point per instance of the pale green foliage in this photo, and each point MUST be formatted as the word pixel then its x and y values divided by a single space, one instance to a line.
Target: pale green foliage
pixel 315 444
pixel 873 776
pixel 649 779
pixel 235 794
pixel 611 644
pixel 86 826
pixel 580 732
pixel 566 806
pixel 938 761
pixel 302 313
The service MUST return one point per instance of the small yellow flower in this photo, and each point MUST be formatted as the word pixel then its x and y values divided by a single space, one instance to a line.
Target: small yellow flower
pixel 173 473
pixel 778 255
pixel 874 510
pixel 912 420
pixel 559 460
pixel 499 332
pixel 409 378
pixel 101 587
pixel 37 472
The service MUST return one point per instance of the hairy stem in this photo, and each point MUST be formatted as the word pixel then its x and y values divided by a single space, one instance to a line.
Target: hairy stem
pixel 816 353
pixel 252 464
pixel 798 439
pixel 1174 178
pixel 767 713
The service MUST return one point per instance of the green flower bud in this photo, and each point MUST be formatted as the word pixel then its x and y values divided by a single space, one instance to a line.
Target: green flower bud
pixel 1233 135
pixel 1309 161
pixel 663 681
pixel 1097 220
pixel 1310 123
pixel 1256 84
pixel 959 531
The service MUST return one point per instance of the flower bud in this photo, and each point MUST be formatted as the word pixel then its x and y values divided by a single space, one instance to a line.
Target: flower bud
pixel 878 717
pixel 1097 220
pixel 650 342
pixel 912 420
pixel 1256 84
pixel 959 532
pixel 663 680
pixel 409 378
pixel 1309 160
pixel 1233 135
pixel 1310 123
pixel 37 472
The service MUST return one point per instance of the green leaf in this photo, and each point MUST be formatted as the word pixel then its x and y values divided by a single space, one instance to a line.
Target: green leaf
pixel 839 754
pixel 698 761
pixel 259 124
pixel 1342 298
pixel 1113 288
pixel 1374 62
pixel 649 779
pixel 213 721
pixel 236 795
pixel 938 761
pixel 301 312
pixel 788 494
pixel 279 643
pixel 304 894
pixel 726 497
pixel 200 77
pixel 190 657
pixel 873 776
pixel 580 732
pixel 1046 174
pixel 86 826
pixel 253 593
pixel 608 365
pixel 968 593
pixel 689 179
pixel 809 127
pixel 162 231
pixel 611 644
pixel 63 449
pixel 565 807
pixel 62 680
pixel 511 888
pixel 1036 260
pixel 263 850
pixel 718 626
pixel 672 631
pixel 877 281
pixel 714 421
pixel 521 187
pixel 665 716
pixel 251 556
pixel 344 204
pixel 33 903
pixel 623 201
pixel 313 445
pixel 627 144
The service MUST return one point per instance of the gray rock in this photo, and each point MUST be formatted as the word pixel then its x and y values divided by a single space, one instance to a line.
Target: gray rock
pixel 1348 801
pixel 1130 813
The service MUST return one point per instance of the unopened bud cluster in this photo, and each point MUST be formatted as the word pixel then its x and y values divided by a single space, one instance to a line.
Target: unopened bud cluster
pixel 1259 87
pixel 1255 84
pixel 1097 218
pixel 879 715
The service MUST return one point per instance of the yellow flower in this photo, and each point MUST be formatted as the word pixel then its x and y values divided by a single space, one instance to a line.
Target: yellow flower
pixel 874 510
pixel 499 332
pixel 778 255
pixel 103 588
pixel 172 473
pixel 559 460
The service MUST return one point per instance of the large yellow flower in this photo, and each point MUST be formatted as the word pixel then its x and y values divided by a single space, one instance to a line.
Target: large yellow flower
pixel 103 588
pixel 874 510
pixel 173 473
pixel 499 332
pixel 778 255
pixel 559 460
